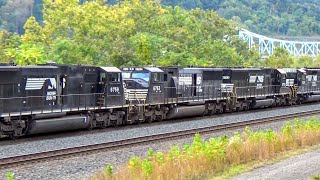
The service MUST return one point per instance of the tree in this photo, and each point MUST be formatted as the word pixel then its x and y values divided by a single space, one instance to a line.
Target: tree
pixel 303 61
pixel 27 54
pixel 123 35
pixel 279 59
pixel 8 41
pixel 14 14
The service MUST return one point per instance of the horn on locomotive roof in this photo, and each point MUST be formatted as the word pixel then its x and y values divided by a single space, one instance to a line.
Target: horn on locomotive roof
pixel 51 63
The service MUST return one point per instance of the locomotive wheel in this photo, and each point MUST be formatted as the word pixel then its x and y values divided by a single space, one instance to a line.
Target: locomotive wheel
pixel 129 122
pixel 12 136
pixel 114 123
pixel 103 125
pixel 148 119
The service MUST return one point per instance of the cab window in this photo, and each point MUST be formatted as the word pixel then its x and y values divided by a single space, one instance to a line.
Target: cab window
pixel 102 77
pixel 156 77
pixel 114 77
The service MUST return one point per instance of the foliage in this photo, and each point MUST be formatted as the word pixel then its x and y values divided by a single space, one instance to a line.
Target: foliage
pixel 132 33
pixel 304 61
pixel 109 170
pixel 8 42
pixel 316 177
pixel 278 17
pixel 203 158
pixel 280 58
pixel 10 176
pixel 27 54
pixel 14 13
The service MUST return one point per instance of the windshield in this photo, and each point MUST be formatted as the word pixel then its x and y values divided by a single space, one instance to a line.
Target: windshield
pixel 125 75
pixel 144 76
pixel 291 75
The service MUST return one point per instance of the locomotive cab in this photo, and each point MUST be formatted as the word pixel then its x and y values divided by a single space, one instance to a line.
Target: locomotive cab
pixel 286 80
pixel 301 77
pixel 312 82
pixel 111 85
pixel 144 85
pixel 170 78
pixel 291 77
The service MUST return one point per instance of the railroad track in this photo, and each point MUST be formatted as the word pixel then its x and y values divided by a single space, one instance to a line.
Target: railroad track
pixel 15 161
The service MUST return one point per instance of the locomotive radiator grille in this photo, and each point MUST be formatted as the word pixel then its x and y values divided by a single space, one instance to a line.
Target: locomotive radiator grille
pixel 136 94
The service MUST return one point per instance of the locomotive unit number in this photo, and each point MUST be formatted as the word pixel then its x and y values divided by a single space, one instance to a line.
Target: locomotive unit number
pixel 259 86
pixel 157 89
pixel 51 96
pixel 115 89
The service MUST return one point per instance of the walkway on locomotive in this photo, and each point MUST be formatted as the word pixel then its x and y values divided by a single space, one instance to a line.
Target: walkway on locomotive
pixel 31 90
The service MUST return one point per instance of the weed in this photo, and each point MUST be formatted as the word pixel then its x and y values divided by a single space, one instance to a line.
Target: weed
pixel 109 170
pixel 316 177
pixel 10 176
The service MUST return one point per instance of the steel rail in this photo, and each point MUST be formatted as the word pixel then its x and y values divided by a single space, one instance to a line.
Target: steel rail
pixel 20 160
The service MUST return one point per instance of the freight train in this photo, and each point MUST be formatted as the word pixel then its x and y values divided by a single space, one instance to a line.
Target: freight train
pixel 52 97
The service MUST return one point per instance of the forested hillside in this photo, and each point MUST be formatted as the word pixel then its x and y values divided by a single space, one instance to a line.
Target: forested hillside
pixel 269 17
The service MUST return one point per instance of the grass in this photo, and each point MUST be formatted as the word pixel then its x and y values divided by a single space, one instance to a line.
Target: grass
pixel 315 177
pixel 218 157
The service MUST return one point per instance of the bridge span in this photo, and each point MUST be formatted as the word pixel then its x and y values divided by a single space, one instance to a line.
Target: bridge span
pixel 266 45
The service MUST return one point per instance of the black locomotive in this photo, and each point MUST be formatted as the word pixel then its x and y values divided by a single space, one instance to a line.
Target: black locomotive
pixel 51 97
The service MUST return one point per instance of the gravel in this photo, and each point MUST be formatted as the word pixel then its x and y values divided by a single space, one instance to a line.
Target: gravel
pixel 80 167
pixel 303 166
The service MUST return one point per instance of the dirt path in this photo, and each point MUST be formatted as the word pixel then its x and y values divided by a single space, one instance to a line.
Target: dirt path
pixel 299 167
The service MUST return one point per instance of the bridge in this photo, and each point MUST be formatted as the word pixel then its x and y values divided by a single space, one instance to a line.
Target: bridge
pixel 266 45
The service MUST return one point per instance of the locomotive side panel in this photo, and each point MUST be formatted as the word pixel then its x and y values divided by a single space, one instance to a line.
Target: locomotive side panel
pixel 39 88
pixel 9 87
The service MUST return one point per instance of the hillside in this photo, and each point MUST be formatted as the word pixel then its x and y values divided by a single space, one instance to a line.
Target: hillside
pixel 268 17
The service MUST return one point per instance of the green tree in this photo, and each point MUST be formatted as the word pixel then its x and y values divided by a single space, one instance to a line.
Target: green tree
pixel 8 41
pixel 124 35
pixel 27 54
pixel 279 59
pixel 303 61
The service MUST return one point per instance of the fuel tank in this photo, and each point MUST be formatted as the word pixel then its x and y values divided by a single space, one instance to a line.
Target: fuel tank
pixel 50 115
pixel 186 111
pixel 58 124
pixel 313 98
pixel 262 103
